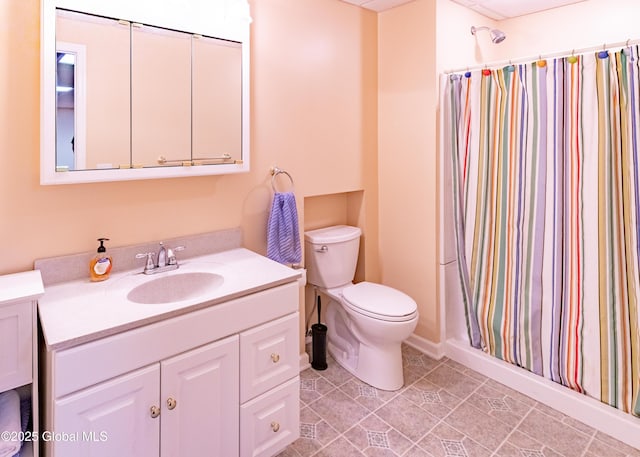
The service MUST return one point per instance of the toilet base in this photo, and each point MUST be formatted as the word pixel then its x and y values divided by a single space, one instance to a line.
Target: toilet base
pixel 367 348
pixel 379 367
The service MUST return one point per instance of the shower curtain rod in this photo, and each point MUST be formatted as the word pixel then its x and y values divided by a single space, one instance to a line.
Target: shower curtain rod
pixel 501 63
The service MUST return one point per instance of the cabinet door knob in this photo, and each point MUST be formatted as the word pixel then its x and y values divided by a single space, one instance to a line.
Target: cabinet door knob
pixel 171 403
pixel 275 426
pixel 275 357
pixel 155 411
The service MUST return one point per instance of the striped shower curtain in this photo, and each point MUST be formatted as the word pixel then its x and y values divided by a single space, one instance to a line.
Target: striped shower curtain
pixel 546 194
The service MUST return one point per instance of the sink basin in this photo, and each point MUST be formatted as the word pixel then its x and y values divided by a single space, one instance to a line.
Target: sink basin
pixel 175 287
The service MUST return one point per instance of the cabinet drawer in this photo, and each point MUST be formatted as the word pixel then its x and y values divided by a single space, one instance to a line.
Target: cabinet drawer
pixel 268 355
pixel 16 334
pixel 271 421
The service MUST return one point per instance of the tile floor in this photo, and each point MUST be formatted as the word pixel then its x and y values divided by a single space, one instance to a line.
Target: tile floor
pixel 444 409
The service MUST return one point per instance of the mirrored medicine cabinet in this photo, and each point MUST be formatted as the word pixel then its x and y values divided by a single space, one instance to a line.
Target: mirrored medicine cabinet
pixel 139 93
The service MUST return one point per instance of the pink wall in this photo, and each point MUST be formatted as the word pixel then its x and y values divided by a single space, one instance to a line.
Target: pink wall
pixel 407 157
pixel 585 24
pixel 456 47
pixel 314 99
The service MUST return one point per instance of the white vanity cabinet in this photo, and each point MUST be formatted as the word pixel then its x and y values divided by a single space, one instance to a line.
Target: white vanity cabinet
pixel 221 381
pixel 185 405
pixel 18 343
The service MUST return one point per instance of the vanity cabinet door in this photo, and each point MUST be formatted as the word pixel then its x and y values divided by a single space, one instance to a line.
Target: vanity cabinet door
pixel 16 327
pixel 113 418
pixel 200 399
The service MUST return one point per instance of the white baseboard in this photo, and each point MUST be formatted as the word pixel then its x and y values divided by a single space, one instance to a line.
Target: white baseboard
pixel 433 350
pixel 609 420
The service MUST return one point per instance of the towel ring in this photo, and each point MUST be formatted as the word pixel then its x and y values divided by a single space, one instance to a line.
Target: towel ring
pixel 275 171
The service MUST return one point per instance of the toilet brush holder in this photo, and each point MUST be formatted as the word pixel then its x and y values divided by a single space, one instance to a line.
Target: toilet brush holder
pixel 319 342
pixel 319 345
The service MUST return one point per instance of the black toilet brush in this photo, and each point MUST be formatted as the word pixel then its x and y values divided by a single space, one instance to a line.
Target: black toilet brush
pixel 319 342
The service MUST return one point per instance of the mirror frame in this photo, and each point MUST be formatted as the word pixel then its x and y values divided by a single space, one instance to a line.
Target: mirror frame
pixel 217 19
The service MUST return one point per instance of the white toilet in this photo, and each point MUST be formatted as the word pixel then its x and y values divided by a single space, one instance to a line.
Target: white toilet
pixel 367 322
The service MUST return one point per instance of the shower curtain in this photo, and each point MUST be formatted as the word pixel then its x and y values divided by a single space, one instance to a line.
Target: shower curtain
pixel 544 159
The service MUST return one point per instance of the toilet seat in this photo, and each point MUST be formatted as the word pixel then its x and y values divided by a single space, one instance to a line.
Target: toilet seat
pixel 379 302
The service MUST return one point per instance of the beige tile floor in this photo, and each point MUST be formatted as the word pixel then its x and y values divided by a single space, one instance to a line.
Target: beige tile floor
pixel 444 409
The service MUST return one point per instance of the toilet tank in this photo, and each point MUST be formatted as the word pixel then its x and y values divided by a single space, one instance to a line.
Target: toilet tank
pixel 331 255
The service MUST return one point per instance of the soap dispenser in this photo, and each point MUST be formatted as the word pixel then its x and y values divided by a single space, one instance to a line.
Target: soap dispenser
pixel 101 263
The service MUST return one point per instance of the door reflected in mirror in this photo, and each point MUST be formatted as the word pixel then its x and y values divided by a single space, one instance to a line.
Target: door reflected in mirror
pixel 65 109
pixel 101 91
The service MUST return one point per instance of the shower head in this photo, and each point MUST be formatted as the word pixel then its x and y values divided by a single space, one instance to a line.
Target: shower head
pixel 497 36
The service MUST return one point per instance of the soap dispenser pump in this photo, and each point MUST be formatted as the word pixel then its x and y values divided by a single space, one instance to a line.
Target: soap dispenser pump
pixel 101 263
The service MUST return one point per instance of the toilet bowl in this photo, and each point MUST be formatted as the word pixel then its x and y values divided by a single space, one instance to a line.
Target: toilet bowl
pixel 367 322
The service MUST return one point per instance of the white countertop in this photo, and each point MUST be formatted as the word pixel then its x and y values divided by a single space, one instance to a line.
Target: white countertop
pixel 20 287
pixel 79 311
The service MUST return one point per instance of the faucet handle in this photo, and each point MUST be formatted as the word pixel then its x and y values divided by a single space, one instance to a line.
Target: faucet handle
pixel 149 265
pixel 171 256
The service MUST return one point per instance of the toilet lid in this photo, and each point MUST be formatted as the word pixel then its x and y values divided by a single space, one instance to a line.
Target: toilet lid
pixel 380 301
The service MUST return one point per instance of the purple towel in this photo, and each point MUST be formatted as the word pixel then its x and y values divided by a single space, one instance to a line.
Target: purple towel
pixel 283 238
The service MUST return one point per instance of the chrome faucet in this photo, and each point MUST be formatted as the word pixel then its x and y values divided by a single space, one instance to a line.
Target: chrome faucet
pixel 162 256
pixel 166 260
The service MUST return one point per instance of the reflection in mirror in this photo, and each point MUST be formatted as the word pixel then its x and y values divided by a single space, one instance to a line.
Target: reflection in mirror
pixel 96 112
pixel 65 108
pixel 217 99
pixel 161 96
pixel 158 100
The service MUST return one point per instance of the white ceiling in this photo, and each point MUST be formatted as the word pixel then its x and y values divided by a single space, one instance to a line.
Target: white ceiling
pixel 494 9
pixel 377 5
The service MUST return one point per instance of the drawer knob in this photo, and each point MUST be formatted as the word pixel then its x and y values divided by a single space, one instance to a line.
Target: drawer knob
pixel 275 357
pixel 171 403
pixel 155 411
pixel 275 426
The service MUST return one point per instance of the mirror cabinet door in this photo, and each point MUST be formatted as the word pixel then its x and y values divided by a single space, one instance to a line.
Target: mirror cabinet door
pixel 217 100
pixel 92 92
pixel 161 96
